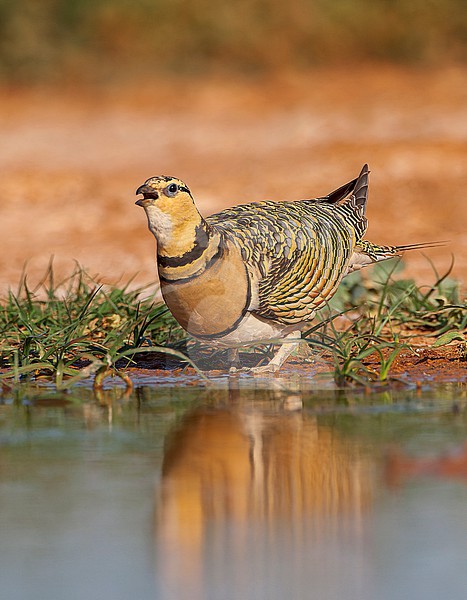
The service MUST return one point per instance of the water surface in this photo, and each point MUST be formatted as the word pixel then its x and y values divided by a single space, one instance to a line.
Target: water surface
pixel 248 492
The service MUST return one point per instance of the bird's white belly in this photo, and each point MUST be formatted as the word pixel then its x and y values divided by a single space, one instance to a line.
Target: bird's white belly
pixel 253 329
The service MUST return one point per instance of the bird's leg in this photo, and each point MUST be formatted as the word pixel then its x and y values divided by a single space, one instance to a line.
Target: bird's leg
pixel 293 340
pixel 234 360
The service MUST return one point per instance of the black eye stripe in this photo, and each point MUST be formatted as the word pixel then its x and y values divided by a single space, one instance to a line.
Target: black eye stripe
pixel 173 188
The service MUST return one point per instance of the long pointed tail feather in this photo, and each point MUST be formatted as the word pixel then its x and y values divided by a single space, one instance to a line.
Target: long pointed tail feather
pixel 366 253
pixel 377 253
pixel 421 245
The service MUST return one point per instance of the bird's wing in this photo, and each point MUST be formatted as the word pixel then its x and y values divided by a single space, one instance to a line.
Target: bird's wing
pixel 296 254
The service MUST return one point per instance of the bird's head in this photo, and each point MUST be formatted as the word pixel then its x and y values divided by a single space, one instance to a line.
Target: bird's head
pixel 168 194
pixel 169 207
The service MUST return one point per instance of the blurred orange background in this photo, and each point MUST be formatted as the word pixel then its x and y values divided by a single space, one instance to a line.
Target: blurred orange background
pixel 243 103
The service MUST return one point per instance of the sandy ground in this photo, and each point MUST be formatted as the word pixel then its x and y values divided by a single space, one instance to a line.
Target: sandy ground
pixel 70 161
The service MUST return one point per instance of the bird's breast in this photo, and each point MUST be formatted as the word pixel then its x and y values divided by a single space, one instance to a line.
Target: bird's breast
pixel 211 303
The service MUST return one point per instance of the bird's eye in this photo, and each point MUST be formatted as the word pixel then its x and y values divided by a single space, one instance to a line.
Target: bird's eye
pixel 171 189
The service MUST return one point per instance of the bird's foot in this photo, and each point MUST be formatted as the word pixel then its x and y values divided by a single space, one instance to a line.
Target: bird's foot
pixel 238 370
pixel 270 368
pixel 262 370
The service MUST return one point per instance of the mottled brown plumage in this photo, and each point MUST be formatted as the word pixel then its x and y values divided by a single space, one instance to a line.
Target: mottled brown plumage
pixel 256 271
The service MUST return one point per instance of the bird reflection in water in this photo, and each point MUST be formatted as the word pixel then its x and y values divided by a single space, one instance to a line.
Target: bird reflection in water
pixel 249 491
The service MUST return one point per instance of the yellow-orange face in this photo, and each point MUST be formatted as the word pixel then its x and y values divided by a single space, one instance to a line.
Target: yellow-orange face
pixel 169 194
pixel 171 212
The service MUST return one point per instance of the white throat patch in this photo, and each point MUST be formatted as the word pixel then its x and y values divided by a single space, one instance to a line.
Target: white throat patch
pixel 160 224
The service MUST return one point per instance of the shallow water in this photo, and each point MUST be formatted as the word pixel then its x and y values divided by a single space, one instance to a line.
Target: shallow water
pixel 247 492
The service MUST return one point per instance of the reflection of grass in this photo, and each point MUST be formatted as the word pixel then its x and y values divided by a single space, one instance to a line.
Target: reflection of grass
pixel 77 328
pixel 96 38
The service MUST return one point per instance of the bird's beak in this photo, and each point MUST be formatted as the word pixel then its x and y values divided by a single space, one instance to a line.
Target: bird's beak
pixel 149 195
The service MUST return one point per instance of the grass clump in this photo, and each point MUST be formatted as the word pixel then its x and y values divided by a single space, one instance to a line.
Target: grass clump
pixel 383 316
pixel 73 328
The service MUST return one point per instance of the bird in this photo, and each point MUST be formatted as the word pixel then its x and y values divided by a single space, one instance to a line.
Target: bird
pixel 260 271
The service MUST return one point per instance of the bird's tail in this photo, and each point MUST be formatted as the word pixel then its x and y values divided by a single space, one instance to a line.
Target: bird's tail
pixel 377 253
pixel 358 188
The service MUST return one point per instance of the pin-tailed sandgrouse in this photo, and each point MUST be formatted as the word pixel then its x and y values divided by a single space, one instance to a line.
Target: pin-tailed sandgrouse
pixel 257 271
